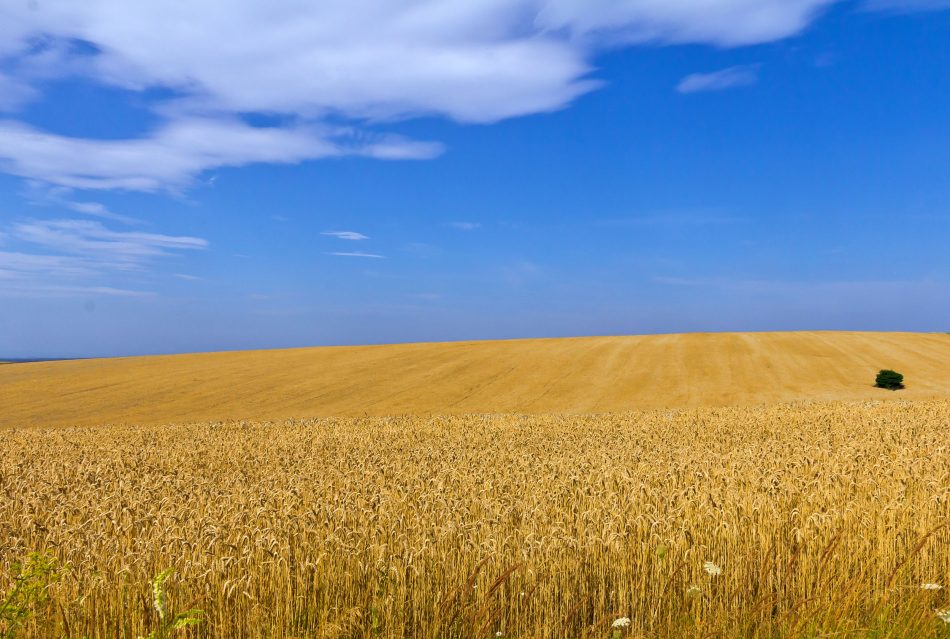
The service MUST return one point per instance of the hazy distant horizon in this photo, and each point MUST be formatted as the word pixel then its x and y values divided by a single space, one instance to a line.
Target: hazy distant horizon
pixel 106 355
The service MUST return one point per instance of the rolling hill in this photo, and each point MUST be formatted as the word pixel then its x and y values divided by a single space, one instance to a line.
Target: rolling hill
pixel 574 375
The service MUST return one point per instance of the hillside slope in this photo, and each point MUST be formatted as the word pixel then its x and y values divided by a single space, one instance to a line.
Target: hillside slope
pixel 596 374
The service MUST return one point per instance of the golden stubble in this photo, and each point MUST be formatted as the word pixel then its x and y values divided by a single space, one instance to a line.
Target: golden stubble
pixel 536 376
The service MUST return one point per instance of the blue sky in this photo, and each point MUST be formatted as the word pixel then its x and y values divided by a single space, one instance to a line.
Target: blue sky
pixel 252 175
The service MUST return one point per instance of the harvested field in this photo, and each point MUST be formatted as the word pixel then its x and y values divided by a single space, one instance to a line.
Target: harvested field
pixel 819 520
pixel 583 375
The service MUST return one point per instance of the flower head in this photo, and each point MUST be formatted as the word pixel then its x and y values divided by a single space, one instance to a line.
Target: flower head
pixel 944 615
pixel 712 569
pixel 693 591
pixel 622 622
pixel 930 586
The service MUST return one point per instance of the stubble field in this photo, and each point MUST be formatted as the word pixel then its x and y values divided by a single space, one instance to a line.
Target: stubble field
pixel 816 520
pixel 579 375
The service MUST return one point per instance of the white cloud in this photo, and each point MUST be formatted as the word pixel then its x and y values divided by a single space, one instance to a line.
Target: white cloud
pixel 732 77
pixel 172 155
pixel 358 254
pixel 346 235
pixel 473 60
pixel 361 61
pixel 720 22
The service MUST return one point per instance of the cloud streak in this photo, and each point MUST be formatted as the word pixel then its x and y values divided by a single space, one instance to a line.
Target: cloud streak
pixel 92 239
pixel 174 154
pixel 738 76
pixel 39 194
pixel 357 254
pixel 346 235
pixel 464 226
pixel 73 255
pixel 97 209
pixel 720 22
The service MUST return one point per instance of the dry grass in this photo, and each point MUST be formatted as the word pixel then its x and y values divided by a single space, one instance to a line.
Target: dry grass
pixel 584 375
pixel 825 519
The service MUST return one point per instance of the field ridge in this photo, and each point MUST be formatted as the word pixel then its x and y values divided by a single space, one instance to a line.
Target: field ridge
pixel 535 376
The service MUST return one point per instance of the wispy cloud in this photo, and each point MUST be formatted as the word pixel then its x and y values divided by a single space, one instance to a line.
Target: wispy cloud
pixel 732 77
pixel 40 194
pixel 464 226
pixel 17 265
pixel 71 255
pixel 174 154
pixel 90 238
pixel 39 275
pixel 358 254
pixel 96 209
pixel 40 290
pixel 346 235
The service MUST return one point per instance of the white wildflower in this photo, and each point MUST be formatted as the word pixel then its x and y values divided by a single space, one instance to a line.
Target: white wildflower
pixel 693 591
pixel 930 586
pixel 498 634
pixel 712 569
pixel 944 615
pixel 623 622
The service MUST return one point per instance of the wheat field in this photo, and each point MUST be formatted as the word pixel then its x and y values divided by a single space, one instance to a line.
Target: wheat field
pixel 579 375
pixel 819 519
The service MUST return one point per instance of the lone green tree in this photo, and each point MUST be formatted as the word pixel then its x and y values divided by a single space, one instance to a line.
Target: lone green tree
pixel 891 380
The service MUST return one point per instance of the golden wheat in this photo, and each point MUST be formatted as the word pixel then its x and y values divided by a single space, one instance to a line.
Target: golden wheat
pixel 788 520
